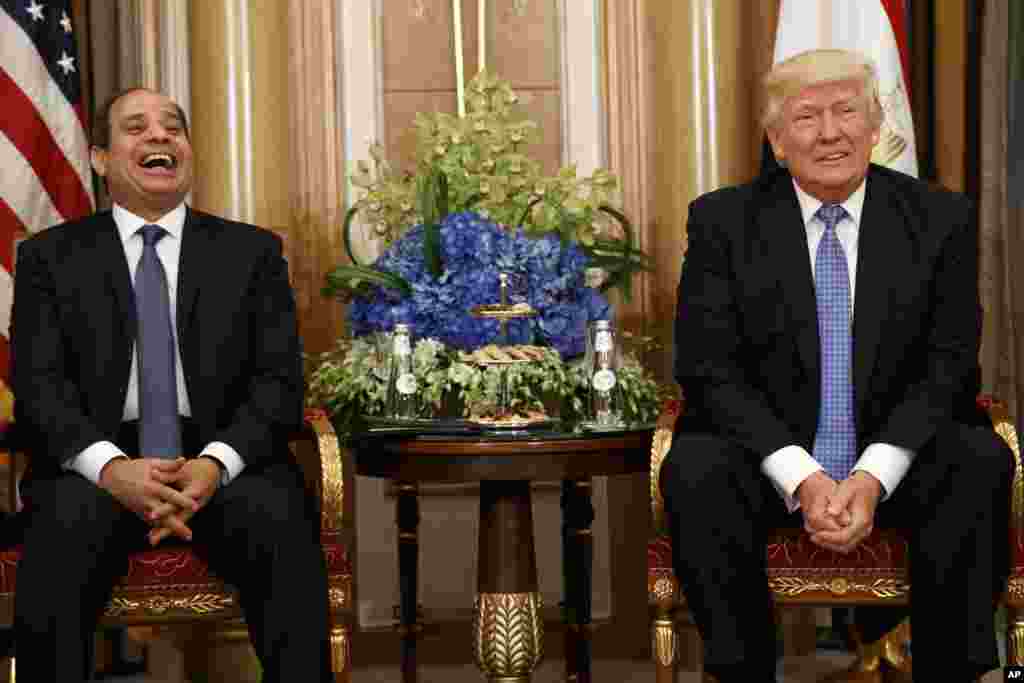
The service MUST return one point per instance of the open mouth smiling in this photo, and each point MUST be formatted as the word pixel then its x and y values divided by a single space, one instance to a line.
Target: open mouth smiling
pixel 832 158
pixel 159 160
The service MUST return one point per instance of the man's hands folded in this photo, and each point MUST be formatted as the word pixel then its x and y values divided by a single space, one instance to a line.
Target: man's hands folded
pixel 164 493
pixel 838 516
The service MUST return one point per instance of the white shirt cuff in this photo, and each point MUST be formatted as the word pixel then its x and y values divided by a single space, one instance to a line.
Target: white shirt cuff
pixel 227 456
pixel 787 468
pixel 886 463
pixel 90 462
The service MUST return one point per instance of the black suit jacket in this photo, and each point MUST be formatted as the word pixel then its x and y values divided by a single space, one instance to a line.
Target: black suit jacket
pixel 746 336
pixel 74 324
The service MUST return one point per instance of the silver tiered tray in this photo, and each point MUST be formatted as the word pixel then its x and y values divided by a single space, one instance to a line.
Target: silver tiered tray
pixel 503 312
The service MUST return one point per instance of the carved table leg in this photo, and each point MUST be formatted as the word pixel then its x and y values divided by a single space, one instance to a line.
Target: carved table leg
pixel 1014 636
pixel 408 576
pixel 508 628
pixel 577 556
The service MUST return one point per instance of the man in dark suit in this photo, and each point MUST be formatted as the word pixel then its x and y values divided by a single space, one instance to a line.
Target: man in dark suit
pixel 826 343
pixel 157 375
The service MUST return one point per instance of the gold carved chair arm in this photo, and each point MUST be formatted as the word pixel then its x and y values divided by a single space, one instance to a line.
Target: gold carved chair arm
pixel 1004 428
pixel 660 445
pixel 319 431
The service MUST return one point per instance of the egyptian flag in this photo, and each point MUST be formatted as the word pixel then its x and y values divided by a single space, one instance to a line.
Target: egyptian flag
pixel 876 29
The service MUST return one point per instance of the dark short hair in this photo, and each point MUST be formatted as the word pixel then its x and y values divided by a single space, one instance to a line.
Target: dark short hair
pixel 102 126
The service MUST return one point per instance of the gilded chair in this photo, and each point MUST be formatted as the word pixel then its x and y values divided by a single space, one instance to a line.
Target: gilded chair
pixel 801 573
pixel 172 586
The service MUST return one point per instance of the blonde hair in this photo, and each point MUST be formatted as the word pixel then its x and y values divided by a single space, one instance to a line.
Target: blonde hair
pixel 814 67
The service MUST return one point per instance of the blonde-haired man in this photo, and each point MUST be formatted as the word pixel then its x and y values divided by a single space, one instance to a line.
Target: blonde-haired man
pixel 828 327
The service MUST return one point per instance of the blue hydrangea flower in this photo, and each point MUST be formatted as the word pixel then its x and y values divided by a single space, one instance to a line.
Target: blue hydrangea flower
pixel 544 272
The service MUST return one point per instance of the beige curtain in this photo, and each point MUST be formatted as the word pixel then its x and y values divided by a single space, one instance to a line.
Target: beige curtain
pixel 110 55
pixel 1001 212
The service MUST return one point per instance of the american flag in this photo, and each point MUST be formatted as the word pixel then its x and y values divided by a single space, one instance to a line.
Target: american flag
pixel 44 156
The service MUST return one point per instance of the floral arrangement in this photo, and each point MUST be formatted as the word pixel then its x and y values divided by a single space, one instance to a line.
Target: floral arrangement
pixel 476 207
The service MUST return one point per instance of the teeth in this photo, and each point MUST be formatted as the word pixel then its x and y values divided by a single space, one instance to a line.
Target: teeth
pixel 158 159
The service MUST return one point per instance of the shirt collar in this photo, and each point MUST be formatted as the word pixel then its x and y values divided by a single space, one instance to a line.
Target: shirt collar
pixel 854 204
pixel 128 223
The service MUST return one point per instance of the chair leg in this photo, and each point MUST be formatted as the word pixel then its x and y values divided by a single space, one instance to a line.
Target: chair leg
pixel 1014 636
pixel 340 654
pixel 664 645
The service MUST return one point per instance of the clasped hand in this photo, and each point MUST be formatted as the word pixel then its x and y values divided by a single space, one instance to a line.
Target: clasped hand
pixel 839 515
pixel 164 493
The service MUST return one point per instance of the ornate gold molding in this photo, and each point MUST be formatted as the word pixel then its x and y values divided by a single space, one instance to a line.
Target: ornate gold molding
pixel 508 634
pixel 339 649
pixel 157 605
pixel 660 445
pixel 338 596
pixel 792 586
pixel 1005 429
pixel 665 642
pixel 332 482
pixel 663 590
pixel 1015 642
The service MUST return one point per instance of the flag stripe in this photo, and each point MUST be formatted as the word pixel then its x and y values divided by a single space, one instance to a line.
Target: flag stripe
pixel 28 71
pixel 10 224
pixel 897 11
pixel 31 204
pixel 28 133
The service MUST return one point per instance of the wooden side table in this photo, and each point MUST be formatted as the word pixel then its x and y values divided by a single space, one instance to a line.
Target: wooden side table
pixel 508 630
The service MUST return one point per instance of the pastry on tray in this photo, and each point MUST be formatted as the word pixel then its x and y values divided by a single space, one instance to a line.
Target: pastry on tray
pixel 494 354
pixel 521 418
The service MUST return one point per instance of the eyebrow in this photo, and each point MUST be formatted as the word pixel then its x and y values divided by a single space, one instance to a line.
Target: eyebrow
pixel 807 105
pixel 140 117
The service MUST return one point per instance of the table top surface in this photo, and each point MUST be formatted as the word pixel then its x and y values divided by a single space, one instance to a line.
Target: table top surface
pixel 453 452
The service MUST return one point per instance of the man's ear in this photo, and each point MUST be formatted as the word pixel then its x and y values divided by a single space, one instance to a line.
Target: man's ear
pixel 876 136
pixel 773 138
pixel 98 159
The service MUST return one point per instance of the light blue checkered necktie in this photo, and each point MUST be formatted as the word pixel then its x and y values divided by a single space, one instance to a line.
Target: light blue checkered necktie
pixel 835 443
pixel 159 424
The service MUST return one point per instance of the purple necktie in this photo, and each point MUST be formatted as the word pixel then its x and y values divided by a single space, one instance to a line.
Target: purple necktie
pixel 159 425
pixel 835 443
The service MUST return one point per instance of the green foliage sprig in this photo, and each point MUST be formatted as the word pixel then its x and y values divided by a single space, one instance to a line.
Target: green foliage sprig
pixel 351 380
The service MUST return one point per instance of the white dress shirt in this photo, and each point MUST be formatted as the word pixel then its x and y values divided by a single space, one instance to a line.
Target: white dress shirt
pixel 91 461
pixel 789 466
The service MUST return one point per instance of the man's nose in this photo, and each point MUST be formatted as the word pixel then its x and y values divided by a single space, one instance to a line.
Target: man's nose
pixel 158 133
pixel 829 126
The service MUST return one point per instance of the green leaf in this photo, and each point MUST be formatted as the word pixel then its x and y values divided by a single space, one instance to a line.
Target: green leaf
pixel 346 235
pixel 442 196
pixel 432 248
pixel 351 278
pixel 432 187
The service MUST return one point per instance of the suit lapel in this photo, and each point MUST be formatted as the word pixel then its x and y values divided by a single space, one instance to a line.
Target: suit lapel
pixel 195 262
pixel 782 224
pixel 111 259
pixel 881 248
